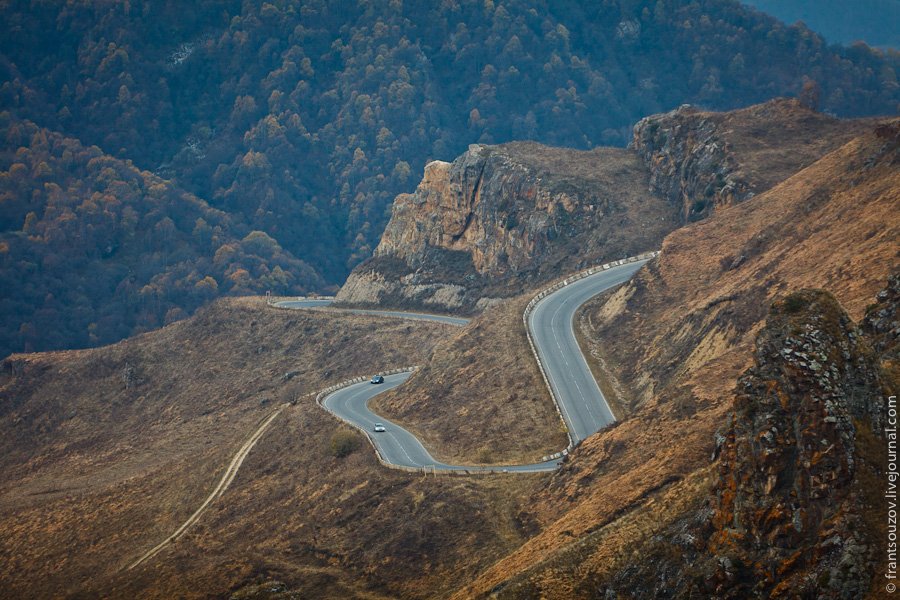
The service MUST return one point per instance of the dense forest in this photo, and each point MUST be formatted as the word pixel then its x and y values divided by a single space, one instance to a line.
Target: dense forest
pixel 287 127
pixel 871 21
pixel 93 250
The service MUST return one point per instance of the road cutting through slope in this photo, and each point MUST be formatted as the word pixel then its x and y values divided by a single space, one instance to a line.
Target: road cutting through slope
pixel 549 321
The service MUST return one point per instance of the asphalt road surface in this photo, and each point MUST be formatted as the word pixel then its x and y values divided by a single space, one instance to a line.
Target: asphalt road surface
pixel 551 322
pixel 581 402
pixel 396 445
pixel 321 303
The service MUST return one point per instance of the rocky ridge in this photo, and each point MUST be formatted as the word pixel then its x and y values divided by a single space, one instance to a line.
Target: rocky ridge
pixel 500 218
pixel 787 511
pixel 701 160
pixel 786 515
pixel 514 212
pixel 882 320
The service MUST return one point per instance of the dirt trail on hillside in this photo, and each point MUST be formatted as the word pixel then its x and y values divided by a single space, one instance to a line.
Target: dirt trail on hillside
pixel 227 478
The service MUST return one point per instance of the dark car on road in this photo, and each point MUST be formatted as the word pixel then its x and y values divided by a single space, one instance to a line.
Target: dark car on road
pixel 377 379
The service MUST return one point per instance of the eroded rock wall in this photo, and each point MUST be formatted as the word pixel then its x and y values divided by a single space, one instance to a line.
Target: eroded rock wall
pixel 690 162
pixel 501 217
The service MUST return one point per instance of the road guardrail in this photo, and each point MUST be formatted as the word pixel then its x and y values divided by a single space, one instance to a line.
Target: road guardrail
pixel 324 393
pixel 543 294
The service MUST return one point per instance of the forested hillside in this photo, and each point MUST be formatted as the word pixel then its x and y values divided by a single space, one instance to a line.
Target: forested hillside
pixel 303 120
pixel 93 250
pixel 871 21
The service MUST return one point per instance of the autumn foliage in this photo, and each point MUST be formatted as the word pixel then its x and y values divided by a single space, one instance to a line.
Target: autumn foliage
pixel 93 250
pixel 303 120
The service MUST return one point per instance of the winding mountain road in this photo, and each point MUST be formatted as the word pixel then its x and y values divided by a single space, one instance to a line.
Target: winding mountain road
pixel 396 446
pixel 581 403
pixel 551 322
pixel 550 327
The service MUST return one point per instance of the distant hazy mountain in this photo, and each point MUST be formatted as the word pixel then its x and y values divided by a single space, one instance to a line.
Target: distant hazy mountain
pixel 876 22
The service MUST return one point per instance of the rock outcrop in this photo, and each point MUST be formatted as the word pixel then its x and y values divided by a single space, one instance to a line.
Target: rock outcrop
pixel 518 212
pixel 468 206
pixel 502 218
pixel 786 518
pixel 701 160
pixel 690 162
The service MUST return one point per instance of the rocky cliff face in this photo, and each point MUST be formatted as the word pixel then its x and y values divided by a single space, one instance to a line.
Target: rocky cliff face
pixel 786 518
pixel 470 206
pixel 702 160
pixel 690 162
pixel 511 213
pixel 500 218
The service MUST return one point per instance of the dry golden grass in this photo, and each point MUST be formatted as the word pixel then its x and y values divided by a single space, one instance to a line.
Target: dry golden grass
pixel 695 312
pixel 774 140
pixel 610 475
pixel 480 398
pixel 94 473
pixel 833 225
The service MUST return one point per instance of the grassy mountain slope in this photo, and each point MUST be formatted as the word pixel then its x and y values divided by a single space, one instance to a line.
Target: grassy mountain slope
pixel 830 225
pixel 106 451
pixel 697 309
